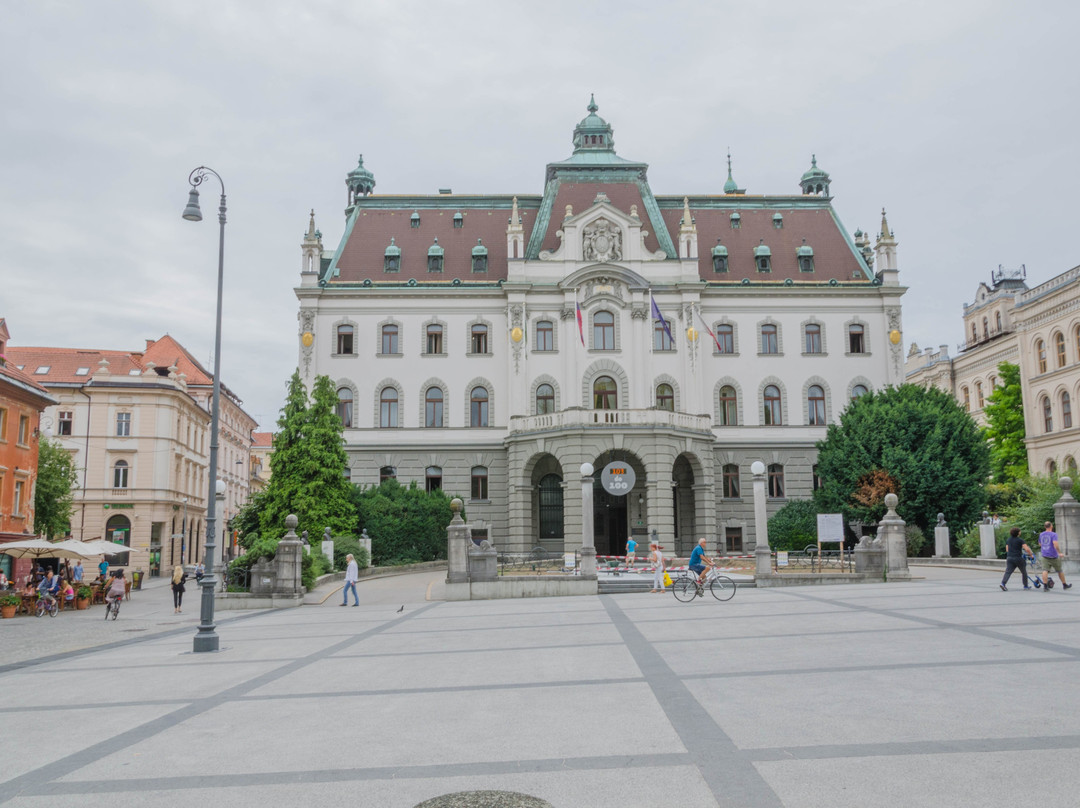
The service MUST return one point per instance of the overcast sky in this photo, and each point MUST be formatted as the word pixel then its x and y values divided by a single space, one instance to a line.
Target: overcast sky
pixel 958 117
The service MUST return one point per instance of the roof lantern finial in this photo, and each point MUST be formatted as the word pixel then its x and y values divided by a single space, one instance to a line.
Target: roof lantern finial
pixel 730 187
pixel 593 133
pixel 885 225
pixel 359 181
pixel 815 181
pixel 592 103
pixel 311 227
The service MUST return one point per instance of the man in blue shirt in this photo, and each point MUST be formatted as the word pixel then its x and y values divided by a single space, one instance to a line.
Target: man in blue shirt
pixel 699 562
pixel 49 586
pixel 1050 557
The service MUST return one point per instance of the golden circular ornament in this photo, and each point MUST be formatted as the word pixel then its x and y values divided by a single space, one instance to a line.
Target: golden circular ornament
pixel 308 339
pixel 692 334
pixel 516 334
pixel 894 337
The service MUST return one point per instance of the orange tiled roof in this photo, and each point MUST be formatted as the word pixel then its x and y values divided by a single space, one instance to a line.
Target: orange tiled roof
pixel 262 439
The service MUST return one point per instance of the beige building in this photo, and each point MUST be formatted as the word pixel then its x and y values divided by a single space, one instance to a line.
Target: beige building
pixel 262 446
pixel 137 426
pixel 1037 329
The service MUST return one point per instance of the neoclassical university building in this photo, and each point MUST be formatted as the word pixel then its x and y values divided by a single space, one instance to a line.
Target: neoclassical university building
pixel 490 345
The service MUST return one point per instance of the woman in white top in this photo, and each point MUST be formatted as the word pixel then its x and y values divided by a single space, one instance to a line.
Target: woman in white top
pixel 656 554
pixel 352 573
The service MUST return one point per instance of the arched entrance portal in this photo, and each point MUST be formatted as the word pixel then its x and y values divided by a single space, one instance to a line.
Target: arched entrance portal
pixel 548 520
pixel 616 517
pixel 683 505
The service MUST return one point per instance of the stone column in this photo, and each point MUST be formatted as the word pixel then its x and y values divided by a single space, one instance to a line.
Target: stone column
pixel 588 548
pixel 457 546
pixel 941 538
pixel 287 562
pixel 892 535
pixel 762 554
pixel 987 539
pixel 1067 526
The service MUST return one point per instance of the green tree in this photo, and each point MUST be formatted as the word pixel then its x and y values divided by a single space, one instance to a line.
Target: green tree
pixel 794 526
pixel 1005 426
pixel 54 489
pixel 308 467
pixel 916 442
pixel 406 523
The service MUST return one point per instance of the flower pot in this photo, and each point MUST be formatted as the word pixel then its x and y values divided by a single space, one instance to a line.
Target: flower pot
pixel 7 611
pixel 82 603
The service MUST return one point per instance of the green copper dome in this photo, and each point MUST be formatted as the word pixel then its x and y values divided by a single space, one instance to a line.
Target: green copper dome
pixel 360 181
pixel 593 133
pixel 815 180
pixel 730 187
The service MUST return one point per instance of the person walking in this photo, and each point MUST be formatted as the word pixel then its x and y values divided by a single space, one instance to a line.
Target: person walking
pixel 1015 550
pixel 178 578
pixel 656 555
pixel 631 552
pixel 1050 557
pixel 352 573
pixel 76 573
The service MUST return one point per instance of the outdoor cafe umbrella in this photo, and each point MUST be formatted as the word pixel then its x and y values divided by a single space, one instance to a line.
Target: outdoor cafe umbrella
pixel 40 548
pixel 101 547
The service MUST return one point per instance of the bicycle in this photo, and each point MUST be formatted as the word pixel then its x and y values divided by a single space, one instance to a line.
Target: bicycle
pixel 46 606
pixel 112 607
pixel 687 587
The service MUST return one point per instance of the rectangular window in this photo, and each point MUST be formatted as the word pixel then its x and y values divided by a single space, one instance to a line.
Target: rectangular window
pixel 479 339
pixel 123 424
pixel 65 423
pixel 731 481
pixel 776 481
pixel 855 339
pixel 3 424
pixel 387 473
pixel 769 342
pixel 725 339
pixel 813 339
pixel 545 336
pixel 434 339
pixel 345 339
pixel 16 504
pixel 661 340
pixel 817 480
pixel 390 339
pixel 479 482
pixel 733 539
pixel 433 479
pixel 24 429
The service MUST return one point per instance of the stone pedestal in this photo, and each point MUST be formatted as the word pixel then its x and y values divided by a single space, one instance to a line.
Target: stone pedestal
pixel 987 541
pixel 941 542
pixel 365 542
pixel 262 577
pixel 893 537
pixel 457 546
pixel 328 551
pixel 287 562
pixel 1067 526
pixel 483 563
pixel 870 559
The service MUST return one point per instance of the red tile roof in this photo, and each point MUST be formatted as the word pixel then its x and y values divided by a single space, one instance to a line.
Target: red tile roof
pixel 582 196
pixel 262 439
pixel 11 374
pixel 64 362
pixel 167 352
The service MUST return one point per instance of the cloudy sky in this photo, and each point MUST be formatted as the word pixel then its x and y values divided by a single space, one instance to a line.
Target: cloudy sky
pixel 959 117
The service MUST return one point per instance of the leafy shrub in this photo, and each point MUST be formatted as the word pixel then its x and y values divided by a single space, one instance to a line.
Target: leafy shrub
pixel 794 526
pixel 406 524
pixel 312 565
pixel 258 548
pixel 916 540
pixel 344 545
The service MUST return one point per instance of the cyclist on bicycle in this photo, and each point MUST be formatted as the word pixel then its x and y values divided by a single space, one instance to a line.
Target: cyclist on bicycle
pixel 699 562
pixel 49 587
pixel 116 591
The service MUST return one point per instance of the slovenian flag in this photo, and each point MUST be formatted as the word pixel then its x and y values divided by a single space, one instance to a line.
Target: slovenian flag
pixel 711 334
pixel 580 324
pixel 658 316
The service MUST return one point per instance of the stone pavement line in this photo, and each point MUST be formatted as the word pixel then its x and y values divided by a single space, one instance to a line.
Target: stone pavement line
pixel 729 774
pixel 39 781
pixel 919 748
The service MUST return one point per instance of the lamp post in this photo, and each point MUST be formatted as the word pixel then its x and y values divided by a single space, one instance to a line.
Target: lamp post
pixel 206 639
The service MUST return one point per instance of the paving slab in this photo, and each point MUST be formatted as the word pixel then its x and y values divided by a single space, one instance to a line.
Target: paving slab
pixel 931 692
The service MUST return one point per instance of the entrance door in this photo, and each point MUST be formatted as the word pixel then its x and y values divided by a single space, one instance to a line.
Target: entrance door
pixel 610 524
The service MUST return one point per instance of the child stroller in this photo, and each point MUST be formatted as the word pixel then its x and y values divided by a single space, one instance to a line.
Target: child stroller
pixel 1033 573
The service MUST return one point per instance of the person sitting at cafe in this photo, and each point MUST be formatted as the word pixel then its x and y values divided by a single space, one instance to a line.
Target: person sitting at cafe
pixel 29 588
pixel 68 591
pixel 3 579
pixel 49 587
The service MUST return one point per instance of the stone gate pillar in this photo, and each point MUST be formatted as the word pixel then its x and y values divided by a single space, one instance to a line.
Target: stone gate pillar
pixel 588 548
pixel 288 561
pixel 762 553
pixel 1067 526
pixel 893 537
pixel 457 546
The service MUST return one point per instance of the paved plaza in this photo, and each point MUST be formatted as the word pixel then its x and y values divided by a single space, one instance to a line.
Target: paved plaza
pixel 942 691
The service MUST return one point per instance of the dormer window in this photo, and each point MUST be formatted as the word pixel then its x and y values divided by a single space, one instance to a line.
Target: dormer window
pixel 479 257
pixel 778 220
pixel 805 256
pixel 83 371
pixel 736 220
pixel 42 370
pixel 414 220
pixel 435 257
pixel 392 258
pixel 763 257
pixel 459 220
pixel 719 257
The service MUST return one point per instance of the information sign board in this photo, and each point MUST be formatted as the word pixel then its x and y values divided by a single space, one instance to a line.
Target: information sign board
pixel 618 478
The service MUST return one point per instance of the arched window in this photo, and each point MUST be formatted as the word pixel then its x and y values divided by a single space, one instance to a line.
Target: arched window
pixel 479 486
pixel 1066 411
pixel 390 339
pixel 986 328
pixel 1070 466
pixel 997 321
pixel 118 531
pixel 978 395
pixel 545 399
pixel 479 339
pixel 605 394
pixel 432 478
pixel 344 339
pixel 345 406
pixel 815 405
pixel 1040 355
pixel 776 481
pixel 433 407
pixel 388 408
pixel 769 341
pixel 729 406
pixel 1048 415
pixel 434 334
pixel 773 411
pixel 967 399
pixel 1051 467
pixel 856 342
pixel 387 473
pixel 813 338
pixel 545 336
pixel 120 474
pixel 551 507
pixel 974 333
pixel 725 339
pixel 1059 349
pixel 478 407
pixel 858 390
pixel 604 331
pixel 1077 334
pixel 665 397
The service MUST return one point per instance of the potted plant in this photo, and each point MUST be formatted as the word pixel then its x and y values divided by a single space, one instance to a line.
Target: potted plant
pixel 8 605
pixel 82 597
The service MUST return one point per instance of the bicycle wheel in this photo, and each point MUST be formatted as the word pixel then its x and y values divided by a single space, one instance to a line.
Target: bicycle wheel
pixel 115 608
pixel 39 610
pixel 684 589
pixel 54 609
pixel 722 587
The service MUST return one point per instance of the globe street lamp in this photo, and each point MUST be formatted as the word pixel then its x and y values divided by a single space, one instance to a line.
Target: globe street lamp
pixel 206 639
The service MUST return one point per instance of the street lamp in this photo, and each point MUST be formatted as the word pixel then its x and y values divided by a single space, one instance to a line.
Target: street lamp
pixel 206 639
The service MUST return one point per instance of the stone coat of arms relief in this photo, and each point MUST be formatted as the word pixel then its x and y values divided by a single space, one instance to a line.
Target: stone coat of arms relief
pixel 601 240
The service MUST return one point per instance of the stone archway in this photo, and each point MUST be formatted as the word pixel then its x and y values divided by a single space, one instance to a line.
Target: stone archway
pixel 548 516
pixel 616 517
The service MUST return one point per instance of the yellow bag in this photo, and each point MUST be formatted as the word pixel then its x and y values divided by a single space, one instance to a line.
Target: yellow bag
pixel 667 579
